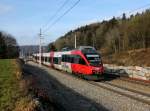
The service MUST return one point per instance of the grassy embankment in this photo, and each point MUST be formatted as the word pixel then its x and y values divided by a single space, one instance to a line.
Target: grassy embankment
pixel 13 92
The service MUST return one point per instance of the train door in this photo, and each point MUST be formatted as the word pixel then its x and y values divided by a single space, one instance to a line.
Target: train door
pixel 80 66
pixel 66 64
pixel 51 59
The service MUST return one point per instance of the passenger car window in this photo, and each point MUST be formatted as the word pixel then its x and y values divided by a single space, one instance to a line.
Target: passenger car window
pixel 76 59
pixel 55 60
pixel 82 61
pixel 63 58
pixel 79 60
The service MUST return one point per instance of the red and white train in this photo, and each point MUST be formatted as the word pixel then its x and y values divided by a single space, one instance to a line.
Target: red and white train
pixel 84 61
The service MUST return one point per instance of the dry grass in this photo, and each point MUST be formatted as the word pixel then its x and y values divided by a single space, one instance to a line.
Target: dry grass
pixel 14 90
pixel 26 104
pixel 138 57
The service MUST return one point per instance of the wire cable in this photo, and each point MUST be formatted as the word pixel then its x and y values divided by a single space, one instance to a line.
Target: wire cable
pixel 55 14
pixel 59 18
pixel 139 8
pixel 144 6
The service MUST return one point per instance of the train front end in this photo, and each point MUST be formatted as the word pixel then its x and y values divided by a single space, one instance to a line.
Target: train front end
pixel 96 66
pixel 94 61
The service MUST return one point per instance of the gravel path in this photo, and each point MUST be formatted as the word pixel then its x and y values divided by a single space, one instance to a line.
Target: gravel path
pixel 94 97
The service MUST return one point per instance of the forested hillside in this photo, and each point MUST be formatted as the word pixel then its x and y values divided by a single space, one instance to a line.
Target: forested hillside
pixel 8 46
pixel 113 36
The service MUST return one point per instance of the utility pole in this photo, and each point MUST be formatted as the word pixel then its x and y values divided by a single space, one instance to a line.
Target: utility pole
pixel 75 42
pixel 40 45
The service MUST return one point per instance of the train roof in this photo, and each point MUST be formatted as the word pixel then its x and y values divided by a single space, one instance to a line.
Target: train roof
pixel 87 49
pixel 83 49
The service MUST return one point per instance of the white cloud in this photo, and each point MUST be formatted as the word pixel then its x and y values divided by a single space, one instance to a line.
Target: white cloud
pixel 5 8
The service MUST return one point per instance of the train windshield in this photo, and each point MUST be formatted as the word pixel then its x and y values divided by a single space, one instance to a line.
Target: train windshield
pixel 94 60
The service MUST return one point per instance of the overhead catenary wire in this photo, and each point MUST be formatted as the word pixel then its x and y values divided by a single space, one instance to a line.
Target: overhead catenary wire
pixel 56 13
pixel 69 9
pixel 144 6
pixel 139 8
pixel 60 17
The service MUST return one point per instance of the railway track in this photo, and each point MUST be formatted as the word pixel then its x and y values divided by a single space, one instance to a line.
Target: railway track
pixel 125 88
pixel 144 83
pixel 127 79
pixel 136 95
pixel 131 93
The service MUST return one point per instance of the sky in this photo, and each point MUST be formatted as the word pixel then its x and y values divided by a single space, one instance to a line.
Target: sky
pixel 24 18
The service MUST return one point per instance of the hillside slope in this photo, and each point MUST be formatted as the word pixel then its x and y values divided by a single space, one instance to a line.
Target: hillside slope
pixel 115 35
pixel 120 38
pixel 138 57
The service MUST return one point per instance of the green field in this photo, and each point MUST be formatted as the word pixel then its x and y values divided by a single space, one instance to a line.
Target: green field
pixel 9 87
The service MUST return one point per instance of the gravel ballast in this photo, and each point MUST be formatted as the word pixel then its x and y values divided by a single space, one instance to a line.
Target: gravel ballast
pixel 92 98
pixel 135 86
